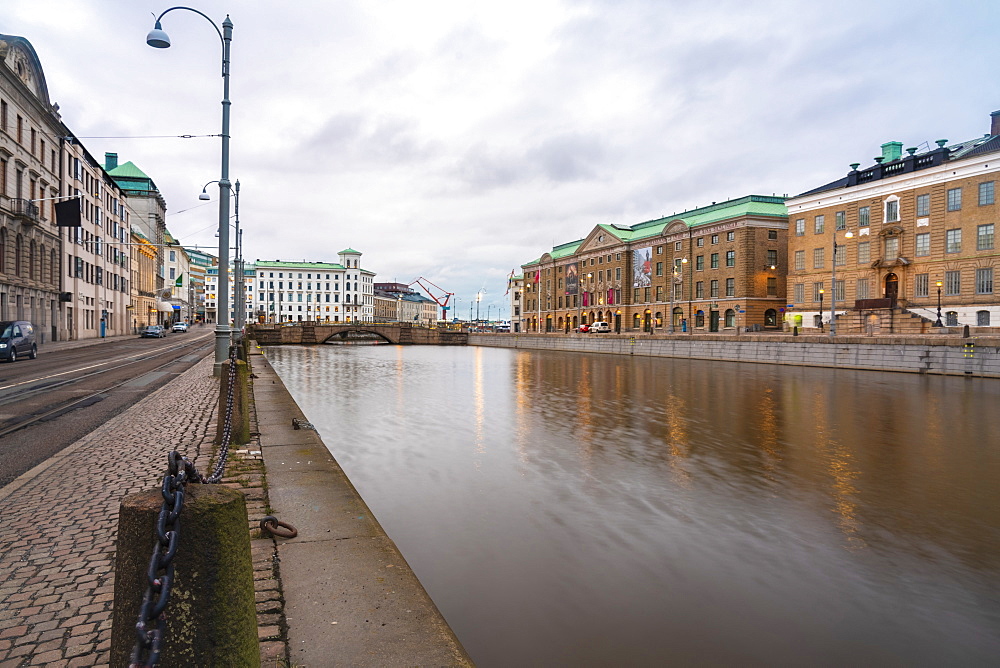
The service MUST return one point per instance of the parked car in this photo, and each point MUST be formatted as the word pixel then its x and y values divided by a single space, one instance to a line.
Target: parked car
pixel 600 326
pixel 179 327
pixel 17 338
pixel 152 332
pixel 584 328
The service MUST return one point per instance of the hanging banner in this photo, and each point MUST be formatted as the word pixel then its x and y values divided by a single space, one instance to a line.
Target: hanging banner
pixel 68 213
pixel 572 278
pixel 642 267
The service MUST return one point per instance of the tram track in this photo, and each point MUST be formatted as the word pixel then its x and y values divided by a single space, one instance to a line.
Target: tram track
pixel 18 424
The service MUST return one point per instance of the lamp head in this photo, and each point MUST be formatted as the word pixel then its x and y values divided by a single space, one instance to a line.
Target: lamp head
pixel 157 38
pixel 204 195
pixel 849 235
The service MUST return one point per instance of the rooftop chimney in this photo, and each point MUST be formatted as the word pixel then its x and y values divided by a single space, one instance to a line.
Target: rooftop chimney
pixel 892 150
pixel 110 161
pixel 995 123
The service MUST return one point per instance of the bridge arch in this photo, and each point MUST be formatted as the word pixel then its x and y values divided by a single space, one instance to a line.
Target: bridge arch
pixel 361 328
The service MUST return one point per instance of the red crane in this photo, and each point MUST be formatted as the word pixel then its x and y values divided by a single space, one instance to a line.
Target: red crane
pixel 441 301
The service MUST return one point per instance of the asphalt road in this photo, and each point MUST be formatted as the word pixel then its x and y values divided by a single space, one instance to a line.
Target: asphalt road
pixel 50 402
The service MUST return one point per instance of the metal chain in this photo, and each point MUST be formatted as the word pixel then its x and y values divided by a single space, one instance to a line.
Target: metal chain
pixel 160 575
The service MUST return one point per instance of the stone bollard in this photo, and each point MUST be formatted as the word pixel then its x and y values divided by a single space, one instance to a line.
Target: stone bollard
pixel 241 404
pixel 211 613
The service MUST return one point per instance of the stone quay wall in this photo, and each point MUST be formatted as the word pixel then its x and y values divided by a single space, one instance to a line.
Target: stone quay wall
pixel 932 354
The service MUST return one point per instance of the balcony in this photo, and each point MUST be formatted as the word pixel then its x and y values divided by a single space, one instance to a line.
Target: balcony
pixel 24 209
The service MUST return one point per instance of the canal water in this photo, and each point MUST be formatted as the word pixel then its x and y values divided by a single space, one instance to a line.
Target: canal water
pixel 595 510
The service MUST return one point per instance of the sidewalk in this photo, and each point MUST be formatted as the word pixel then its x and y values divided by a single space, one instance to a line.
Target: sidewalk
pixel 350 596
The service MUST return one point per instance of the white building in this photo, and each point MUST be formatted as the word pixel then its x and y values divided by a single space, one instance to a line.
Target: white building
pixel 313 291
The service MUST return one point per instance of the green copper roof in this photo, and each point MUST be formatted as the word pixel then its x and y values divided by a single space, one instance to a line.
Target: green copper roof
pixel 349 251
pixel 298 265
pixel 128 171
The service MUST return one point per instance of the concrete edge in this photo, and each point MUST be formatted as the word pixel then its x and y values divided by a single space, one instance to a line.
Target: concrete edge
pixel 343 573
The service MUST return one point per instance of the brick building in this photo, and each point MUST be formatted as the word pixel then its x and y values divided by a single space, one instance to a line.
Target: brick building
pixel 894 240
pixel 713 268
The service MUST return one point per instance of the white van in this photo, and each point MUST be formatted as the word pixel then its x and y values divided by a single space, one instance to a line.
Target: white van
pixel 600 326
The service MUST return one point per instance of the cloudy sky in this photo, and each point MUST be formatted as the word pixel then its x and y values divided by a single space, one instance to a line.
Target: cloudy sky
pixel 455 140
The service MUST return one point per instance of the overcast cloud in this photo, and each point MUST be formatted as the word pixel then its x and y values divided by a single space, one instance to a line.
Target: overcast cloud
pixel 455 139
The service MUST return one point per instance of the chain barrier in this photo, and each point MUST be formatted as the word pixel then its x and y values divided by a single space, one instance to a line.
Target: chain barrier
pixel 152 623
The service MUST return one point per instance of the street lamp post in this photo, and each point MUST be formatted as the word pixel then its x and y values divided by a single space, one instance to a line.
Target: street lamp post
pixel 938 323
pixel 833 282
pixel 675 279
pixel 821 309
pixel 239 293
pixel 157 38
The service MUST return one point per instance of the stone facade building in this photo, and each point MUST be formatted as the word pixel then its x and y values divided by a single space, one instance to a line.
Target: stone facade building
pixel 719 267
pixel 31 132
pixel 911 232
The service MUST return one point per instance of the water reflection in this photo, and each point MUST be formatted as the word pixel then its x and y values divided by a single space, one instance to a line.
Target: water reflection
pixel 602 510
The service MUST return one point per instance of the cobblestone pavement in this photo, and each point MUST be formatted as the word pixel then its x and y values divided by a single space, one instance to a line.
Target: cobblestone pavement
pixel 58 525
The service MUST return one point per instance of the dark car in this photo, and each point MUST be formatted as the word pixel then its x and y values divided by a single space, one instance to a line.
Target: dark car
pixel 152 332
pixel 17 338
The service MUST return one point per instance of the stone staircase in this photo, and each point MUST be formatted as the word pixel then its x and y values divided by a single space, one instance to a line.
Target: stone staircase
pixel 895 320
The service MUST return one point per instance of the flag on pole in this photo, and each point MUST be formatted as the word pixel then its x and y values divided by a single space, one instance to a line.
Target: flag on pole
pixel 510 282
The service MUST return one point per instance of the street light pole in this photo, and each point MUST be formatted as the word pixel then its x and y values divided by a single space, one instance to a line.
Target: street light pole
pixel 157 38
pixel 938 323
pixel 821 309
pixel 833 282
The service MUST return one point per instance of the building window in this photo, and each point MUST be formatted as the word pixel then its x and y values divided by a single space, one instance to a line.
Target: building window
pixel 772 234
pixel 715 238
pixel 953 241
pixel 677 245
pixel 699 290
pixel 699 262
pixel 864 216
pixel 891 248
pixel 731 258
pixel 772 257
pixel 839 290
pixel 730 236
pixel 861 288
pixel 892 211
pixel 984 237
pixel 864 252
pixel 986 193
pixel 923 244
pixel 800 260
pixel 713 288
pixel 955 199
pixel 700 242
pixel 819 224
pixel 952 283
pixel 772 286
pixel 730 287
pixel 951 319
pixel 839 255
pixel 659 269
pixel 984 281
pixel 923 206
pixel 982 318
pixel 715 261
pixel 819 258
pixel 840 220
pixel 800 226
pixel 817 290
pixel 798 293
pixel 921 285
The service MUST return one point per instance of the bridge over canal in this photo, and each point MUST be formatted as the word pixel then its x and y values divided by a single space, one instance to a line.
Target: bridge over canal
pixel 403 333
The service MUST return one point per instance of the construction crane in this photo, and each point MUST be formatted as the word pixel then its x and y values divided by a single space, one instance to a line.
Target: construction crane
pixel 441 301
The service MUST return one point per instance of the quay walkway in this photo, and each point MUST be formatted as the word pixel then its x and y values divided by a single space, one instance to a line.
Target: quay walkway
pixel 338 594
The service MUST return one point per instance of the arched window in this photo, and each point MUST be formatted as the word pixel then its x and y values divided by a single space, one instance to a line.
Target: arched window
pixel 699 319
pixel 636 321
pixel 951 319
pixel 770 318
pixel 3 251
pixel 32 259
pixel 41 262
pixel 983 318
pixel 659 319
pixel 17 255
pixel 730 318
pixel 678 316
pixel 53 268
